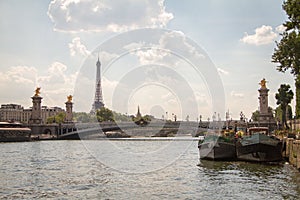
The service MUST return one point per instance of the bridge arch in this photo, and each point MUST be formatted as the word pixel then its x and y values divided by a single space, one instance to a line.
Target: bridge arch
pixel 47 131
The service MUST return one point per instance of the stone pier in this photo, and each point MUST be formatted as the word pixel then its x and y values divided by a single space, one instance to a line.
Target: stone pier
pixel 292 153
pixel 69 110
pixel 36 116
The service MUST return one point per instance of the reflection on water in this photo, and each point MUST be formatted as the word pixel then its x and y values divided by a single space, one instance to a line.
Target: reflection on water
pixel 65 169
pixel 252 180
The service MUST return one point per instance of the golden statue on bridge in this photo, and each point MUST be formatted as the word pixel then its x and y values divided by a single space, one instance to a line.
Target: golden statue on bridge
pixel 37 92
pixel 263 83
pixel 70 97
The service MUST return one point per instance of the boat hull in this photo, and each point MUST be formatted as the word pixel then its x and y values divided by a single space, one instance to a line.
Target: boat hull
pixel 217 150
pixel 15 135
pixel 259 148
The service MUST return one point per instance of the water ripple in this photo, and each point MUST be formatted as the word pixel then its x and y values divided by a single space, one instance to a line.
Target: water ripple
pixel 66 170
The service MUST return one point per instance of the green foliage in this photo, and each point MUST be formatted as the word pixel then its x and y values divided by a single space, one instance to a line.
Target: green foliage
pixel 284 97
pixel 278 112
pixel 287 51
pixel 50 120
pixel 59 118
pixel 84 117
pixel 121 117
pixel 289 113
pixel 292 9
pixel 142 120
pixel 105 115
pixel 297 84
pixel 255 116
pixel 281 133
pixel 148 118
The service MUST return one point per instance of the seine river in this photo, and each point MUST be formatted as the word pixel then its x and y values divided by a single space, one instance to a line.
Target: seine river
pixel 135 170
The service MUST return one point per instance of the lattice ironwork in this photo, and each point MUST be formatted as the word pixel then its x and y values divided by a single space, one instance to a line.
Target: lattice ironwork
pixel 98 100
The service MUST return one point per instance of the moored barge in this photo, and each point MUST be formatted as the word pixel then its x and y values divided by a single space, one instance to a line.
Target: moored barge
pixel 14 132
pixel 258 146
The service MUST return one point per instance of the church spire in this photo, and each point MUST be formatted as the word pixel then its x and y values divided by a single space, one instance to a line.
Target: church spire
pixel 138 115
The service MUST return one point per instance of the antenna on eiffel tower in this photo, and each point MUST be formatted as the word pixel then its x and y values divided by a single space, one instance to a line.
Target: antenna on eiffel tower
pixel 98 100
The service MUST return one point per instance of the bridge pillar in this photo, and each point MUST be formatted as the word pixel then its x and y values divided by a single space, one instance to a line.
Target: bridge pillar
pixel 36 113
pixel 69 110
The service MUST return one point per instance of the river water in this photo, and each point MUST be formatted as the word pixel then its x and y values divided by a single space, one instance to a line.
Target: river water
pixel 130 169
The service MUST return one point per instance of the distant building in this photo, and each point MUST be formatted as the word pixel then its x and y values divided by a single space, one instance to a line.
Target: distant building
pixel 26 115
pixel 11 112
pixel 50 111
pixel 15 112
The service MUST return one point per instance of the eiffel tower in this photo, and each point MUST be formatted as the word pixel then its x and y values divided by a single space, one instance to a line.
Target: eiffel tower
pixel 98 101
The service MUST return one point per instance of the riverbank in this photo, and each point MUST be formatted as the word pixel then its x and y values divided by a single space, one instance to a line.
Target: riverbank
pixel 292 152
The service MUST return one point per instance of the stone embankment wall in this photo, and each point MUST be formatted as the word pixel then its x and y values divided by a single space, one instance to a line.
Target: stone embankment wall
pixel 292 152
pixel 294 124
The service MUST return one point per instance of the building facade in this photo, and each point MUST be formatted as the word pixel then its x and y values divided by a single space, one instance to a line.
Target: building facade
pixel 50 111
pixel 15 112
pixel 11 112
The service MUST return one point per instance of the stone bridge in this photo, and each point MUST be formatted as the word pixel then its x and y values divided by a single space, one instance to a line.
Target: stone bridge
pixel 100 130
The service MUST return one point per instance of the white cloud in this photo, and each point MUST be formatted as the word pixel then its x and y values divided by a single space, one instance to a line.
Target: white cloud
pixel 108 87
pixel 21 75
pixel 134 45
pixel 57 78
pixel 178 42
pixel 280 28
pixel 57 84
pixel 222 71
pixel 17 82
pixel 22 81
pixel 77 48
pixel 107 15
pixel 169 49
pixel 263 35
pixel 152 55
pixel 237 94
pixel 202 99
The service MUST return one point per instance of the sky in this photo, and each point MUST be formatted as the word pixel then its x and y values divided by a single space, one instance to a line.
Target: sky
pixel 170 57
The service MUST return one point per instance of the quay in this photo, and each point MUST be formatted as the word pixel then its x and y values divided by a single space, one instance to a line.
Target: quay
pixel 291 152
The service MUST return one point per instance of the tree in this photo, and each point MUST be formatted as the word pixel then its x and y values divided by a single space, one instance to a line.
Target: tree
pixel 142 120
pixel 121 117
pixel 284 98
pixel 59 118
pixel 84 117
pixel 104 115
pixel 287 51
pixel 289 113
pixel 255 116
pixel 271 111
